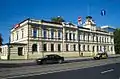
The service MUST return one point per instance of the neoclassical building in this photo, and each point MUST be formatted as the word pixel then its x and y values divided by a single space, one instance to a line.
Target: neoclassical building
pixel 31 39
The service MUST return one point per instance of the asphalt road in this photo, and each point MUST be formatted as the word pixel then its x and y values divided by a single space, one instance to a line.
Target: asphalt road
pixel 85 68
pixel 111 71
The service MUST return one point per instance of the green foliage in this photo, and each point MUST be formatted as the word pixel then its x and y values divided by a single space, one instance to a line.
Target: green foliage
pixel 1 40
pixel 57 19
pixel 117 41
pixel 88 17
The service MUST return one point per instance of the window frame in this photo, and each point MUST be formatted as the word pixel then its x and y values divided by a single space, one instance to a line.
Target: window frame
pixel 34 48
pixel 59 47
pixel 52 47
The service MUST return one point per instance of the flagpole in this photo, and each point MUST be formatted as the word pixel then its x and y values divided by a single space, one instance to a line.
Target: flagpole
pixel 88 10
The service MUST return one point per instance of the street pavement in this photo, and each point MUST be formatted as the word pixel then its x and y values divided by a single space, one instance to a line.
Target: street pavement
pixel 34 70
pixel 111 71
pixel 66 59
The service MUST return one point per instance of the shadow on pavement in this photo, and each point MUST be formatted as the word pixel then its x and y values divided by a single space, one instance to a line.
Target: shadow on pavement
pixel 77 60
pixel 6 65
pixel 14 65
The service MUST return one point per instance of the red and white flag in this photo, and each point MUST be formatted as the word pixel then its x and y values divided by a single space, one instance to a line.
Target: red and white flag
pixel 16 26
pixel 79 20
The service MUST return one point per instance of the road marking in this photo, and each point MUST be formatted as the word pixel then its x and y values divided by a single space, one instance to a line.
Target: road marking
pixel 110 70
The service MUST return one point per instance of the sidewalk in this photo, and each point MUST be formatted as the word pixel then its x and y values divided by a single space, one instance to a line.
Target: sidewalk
pixel 66 59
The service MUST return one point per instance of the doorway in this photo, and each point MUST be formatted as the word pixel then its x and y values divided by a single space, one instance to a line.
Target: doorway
pixel 20 51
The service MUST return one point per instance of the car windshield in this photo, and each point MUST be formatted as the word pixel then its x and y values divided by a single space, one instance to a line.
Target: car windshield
pixel 99 54
pixel 46 56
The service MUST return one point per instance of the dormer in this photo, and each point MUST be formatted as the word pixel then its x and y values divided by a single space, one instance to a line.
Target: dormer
pixel 89 23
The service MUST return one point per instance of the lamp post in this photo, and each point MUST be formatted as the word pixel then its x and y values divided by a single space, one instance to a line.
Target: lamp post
pixel 63 33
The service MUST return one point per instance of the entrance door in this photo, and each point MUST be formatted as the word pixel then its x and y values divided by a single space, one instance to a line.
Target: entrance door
pixel 20 51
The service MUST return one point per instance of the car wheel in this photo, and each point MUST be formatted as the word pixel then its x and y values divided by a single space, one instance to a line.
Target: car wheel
pixel 60 61
pixel 38 63
pixel 44 62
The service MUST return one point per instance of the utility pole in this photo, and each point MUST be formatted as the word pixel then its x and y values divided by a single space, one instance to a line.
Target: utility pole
pixel 28 39
pixel 9 49
pixel 63 33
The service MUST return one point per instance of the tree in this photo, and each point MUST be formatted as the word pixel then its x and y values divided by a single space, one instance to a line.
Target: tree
pixel 88 17
pixel 117 41
pixel 57 19
pixel 1 40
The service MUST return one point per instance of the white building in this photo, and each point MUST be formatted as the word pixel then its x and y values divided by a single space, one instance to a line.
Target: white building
pixel 32 39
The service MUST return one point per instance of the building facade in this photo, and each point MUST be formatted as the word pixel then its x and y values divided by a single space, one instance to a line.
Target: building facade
pixel 33 39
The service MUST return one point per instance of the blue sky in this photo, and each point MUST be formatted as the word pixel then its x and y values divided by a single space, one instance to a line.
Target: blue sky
pixel 14 11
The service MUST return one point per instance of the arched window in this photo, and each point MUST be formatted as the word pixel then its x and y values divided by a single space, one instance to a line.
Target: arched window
pixel 34 48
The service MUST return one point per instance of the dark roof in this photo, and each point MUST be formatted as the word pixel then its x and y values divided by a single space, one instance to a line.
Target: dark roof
pixel 21 22
pixel 41 21
pixel 51 22
pixel 14 44
pixel 102 31
pixel 83 28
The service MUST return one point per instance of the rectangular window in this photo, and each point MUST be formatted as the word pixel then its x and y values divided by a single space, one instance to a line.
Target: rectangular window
pixel 93 48
pixel 44 47
pixel 100 48
pixel 88 48
pixel 100 39
pixel 66 47
pixel 97 48
pixel 66 36
pixel 105 39
pixel 59 34
pixel 52 47
pixel 70 36
pixel 83 47
pixel 34 48
pixel 111 48
pixel 20 51
pixel 79 38
pixel 79 47
pixel 74 46
pixel 44 34
pixel 59 47
pixel 34 32
pixel 97 38
pixel 73 36
pixel 52 33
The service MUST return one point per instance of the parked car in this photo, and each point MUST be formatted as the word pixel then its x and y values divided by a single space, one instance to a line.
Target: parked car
pixel 101 56
pixel 52 58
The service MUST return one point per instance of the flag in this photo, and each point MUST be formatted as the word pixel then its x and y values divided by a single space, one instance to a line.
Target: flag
pixel 79 20
pixel 103 12
pixel 16 26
